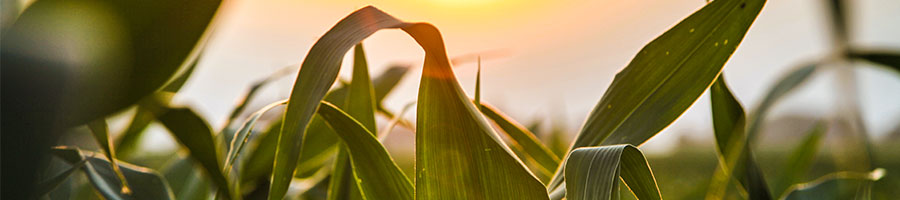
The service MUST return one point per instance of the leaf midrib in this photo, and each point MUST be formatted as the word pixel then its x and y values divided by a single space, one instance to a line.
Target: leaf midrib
pixel 677 68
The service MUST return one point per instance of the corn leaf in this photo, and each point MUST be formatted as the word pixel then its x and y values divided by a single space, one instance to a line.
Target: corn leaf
pixel 384 83
pixel 194 133
pixel 145 183
pixel 319 145
pixel 101 135
pixel 143 116
pixel 46 186
pixel 594 172
pixel 834 186
pixel 360 104
pixel 241 138
pixel 524 140
pixel 801 158
pixel 734 152
pixel 889 59
pixel 781 88
pixel 473 171
pixel 378 176
pixel 180 172
pixel 667 76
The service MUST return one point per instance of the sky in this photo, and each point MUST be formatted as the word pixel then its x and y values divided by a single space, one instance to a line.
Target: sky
pixel 546 60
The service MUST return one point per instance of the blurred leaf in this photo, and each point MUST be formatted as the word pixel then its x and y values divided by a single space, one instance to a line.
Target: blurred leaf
pixel 667 76
pixel 801 159
pixel 734 152
pixel 594 172
pixel 838 185
pixel 193 132
pixel 524 139
pixel 378 175
pixel 838 13
pixel 71 62
pixel 130 50
pixel 478 86
pixel 890 59
pixel 130 139
pixel 53 182
pixel 385 83
pixel 101 135
pixel 227 130
pixel 785 85
pixel 145 183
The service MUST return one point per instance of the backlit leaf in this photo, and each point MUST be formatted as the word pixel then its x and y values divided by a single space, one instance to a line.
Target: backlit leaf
pixel 194 133
pixel 594 172
pixel 524 139
pixel 667 76
pixel 145 183
pixel 378 176
pixel 801 158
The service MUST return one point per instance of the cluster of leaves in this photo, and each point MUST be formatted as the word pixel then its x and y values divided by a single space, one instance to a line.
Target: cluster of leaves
pixel 327 137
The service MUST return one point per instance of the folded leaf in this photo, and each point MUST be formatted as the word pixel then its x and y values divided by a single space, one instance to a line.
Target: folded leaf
pixel 194 133
pixel 378 177
pixel 145 183
pixel 101 135
pixel 479 167
pixel 594 172
pixel 734 152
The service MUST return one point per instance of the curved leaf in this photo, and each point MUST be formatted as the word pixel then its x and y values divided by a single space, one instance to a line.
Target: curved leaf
pixel 194 133
pixel 889 59
pixel 101 135
pixel 594 172
pixel 781 88
pixel 378 176
pixel 734 152
pixel 459 170
pixel 838 185
pixel 800 161
pixel 667 76
pixel 145 183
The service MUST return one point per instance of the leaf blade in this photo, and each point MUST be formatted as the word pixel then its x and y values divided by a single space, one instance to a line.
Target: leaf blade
pixel 594 172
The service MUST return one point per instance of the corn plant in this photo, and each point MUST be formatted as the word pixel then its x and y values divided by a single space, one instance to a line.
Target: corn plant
pixel 326 143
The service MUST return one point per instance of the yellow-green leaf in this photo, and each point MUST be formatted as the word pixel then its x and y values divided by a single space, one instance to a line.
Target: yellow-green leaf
pixel 378 177
pixel 479 167
pixel 194 133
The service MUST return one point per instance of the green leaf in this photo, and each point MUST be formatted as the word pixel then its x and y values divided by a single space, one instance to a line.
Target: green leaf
pixel 502 175
pixel 524 140
pixel 378 176
pixel 360 103
pixel 594 172
pixel 889 59
pixel 101 135
pixel 144 115
pixel 145 183
pixel 801 159
pixel 52 183
pixel 194 133
pixel 243 135
pixel 785 85
pixel 130 50
pixel 734 152
pixel 667 76
pixel 387 81
pixel 838 185
pixel 319 145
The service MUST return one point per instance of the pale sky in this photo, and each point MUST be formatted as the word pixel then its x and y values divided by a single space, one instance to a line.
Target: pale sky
pixel 558 56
